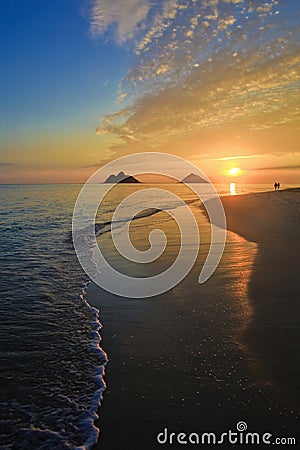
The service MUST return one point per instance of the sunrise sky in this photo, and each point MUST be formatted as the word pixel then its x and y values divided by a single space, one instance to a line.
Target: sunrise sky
pixel 86 81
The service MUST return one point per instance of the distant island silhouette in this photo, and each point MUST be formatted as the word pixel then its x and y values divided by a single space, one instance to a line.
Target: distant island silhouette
pixel 121 178
pixel 124 178
pixel 192 178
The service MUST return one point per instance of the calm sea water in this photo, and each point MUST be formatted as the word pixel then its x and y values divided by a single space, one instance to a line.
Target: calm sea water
pixel 52 367
pixel 51 364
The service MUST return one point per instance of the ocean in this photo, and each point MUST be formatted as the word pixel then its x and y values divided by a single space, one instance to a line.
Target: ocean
pixel 52 364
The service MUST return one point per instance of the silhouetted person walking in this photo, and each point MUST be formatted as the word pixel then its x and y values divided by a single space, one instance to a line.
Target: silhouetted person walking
pixel 278 185
pixel 275 186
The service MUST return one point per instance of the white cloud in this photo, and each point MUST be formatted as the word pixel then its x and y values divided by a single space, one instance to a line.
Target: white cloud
pixel 126 16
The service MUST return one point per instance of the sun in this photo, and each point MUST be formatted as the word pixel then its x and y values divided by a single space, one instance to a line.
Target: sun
pixel 234 171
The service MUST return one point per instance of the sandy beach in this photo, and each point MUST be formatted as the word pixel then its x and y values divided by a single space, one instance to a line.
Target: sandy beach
pixel 202 358
pixel 272 221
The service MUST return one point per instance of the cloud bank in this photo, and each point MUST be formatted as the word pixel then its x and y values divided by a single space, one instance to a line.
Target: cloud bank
pixel 201 66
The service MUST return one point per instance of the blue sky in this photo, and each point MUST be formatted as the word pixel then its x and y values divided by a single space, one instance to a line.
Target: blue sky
pixel 203 79
pixel 52 71
pixel 56 81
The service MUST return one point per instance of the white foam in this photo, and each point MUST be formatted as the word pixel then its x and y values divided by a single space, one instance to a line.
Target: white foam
pixel 88 423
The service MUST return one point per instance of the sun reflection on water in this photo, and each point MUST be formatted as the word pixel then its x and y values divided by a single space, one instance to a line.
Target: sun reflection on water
pixel 232 189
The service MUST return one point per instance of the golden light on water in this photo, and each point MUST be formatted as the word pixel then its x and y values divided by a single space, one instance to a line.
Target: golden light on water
pixel 232 189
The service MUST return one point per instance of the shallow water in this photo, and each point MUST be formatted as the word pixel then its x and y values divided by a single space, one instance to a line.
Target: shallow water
pixel 52 367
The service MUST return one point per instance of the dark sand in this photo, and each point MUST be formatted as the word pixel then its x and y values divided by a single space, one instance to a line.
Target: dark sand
pixel 179 360
pixel 273 221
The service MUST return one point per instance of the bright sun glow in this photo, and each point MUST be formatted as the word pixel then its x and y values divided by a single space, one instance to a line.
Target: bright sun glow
pixel 234 171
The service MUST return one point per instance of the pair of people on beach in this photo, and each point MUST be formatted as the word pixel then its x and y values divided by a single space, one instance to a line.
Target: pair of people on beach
pixel 276 185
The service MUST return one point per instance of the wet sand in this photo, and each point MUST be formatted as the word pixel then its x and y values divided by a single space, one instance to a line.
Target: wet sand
pixel 272 220
pixel 180 361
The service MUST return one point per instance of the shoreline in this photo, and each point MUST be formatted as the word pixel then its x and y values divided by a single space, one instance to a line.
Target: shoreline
pixel 272 219
pixel 164 365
